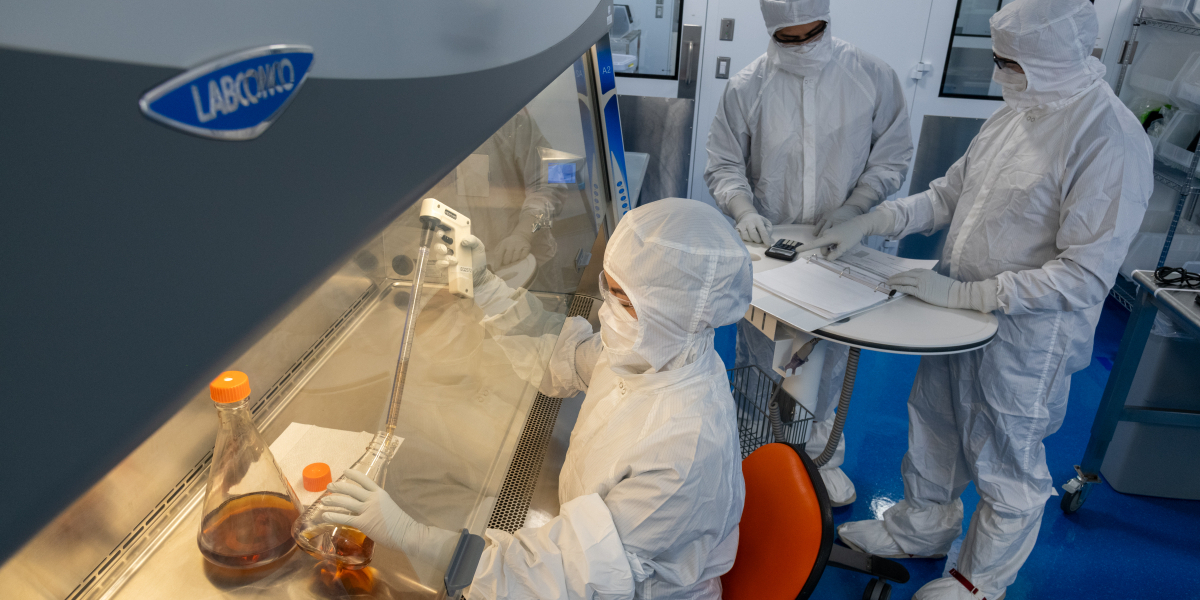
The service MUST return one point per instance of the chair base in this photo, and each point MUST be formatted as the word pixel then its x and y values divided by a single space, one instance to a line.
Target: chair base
pixel 853 560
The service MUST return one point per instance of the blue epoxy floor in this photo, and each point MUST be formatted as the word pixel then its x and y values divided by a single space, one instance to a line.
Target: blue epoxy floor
pixel 1116 546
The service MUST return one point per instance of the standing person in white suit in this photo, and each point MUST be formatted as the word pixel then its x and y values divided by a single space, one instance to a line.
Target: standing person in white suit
pixel 651 488
pixel 1041 211
pixel 816 132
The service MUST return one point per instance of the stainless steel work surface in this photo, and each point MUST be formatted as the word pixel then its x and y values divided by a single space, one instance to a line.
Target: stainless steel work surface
pixel 1181 306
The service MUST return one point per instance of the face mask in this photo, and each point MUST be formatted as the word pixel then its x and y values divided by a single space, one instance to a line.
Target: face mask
pixel 618 328
pixel 619 332
pixel 1011 81
pixel 805 60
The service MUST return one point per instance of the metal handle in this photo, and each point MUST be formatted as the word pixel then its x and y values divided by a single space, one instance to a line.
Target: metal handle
pixel 688 70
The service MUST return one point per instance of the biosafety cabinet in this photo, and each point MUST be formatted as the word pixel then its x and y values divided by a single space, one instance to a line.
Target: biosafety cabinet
pixel 188 188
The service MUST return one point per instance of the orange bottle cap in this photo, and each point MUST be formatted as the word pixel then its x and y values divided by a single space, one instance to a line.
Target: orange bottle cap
pixel 230 386
pixel 316 477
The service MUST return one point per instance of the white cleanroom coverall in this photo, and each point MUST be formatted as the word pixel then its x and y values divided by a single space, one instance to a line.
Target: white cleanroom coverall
pixel 651 488
pixel 1041 209
pixel 799 134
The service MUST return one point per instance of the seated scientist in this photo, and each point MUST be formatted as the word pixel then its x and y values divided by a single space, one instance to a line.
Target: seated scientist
pixel 651 490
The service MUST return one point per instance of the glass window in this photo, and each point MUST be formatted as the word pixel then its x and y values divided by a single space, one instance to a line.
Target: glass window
pixel 969 65
pixel 526 190
pixel 645 38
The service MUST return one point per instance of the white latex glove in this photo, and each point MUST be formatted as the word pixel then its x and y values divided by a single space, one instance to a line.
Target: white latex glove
pixel 837 217
pixel 860 201
pixel 753 227
pixel 940 290
pixel 511 249
pixel 474 245
pixel 839 239
pixel 378 516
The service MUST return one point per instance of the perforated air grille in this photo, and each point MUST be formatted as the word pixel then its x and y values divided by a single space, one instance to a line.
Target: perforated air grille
pixel 581 306
pixel 513 501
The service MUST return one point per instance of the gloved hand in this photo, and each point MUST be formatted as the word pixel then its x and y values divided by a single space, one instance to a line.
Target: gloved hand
pixel 511 249
pixel 940 290
pixel 480 272
pixel 378 516
pixel 839 239
pixel 837 217
pixel 753 227
pixel 860 201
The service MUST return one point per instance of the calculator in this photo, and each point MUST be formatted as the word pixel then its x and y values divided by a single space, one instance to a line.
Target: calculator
pixel 783 250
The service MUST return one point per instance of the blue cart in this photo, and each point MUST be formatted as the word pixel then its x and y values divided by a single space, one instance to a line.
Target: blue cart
pixel 1151 298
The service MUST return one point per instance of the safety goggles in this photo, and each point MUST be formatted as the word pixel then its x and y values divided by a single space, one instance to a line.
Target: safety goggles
pixel 788 40
pixel 1004 63
pixel 607 294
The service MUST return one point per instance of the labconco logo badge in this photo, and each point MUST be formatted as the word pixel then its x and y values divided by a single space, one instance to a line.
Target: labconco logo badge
pixel 233 98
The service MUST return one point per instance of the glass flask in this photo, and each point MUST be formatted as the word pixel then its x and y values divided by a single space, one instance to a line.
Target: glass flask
pixel 249 506
pixel 344 546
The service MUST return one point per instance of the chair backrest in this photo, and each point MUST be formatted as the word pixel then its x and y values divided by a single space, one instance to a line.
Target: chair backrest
pixel 786 529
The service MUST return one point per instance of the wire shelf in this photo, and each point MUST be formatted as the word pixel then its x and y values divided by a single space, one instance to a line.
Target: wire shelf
pixel 1123 291
pixel 1173 178
pixel 1170 26
pixel 753 391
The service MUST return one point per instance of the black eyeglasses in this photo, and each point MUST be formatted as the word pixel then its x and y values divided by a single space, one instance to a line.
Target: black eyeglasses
pixel 1003 63
pixel 788 40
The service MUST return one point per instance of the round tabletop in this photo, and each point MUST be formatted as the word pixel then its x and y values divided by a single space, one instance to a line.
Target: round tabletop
pixel 904 326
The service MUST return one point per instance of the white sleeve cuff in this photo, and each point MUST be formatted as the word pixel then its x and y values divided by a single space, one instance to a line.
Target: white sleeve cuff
pixel 740 206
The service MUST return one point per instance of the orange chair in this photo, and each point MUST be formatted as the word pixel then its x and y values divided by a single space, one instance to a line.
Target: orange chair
pixel 786 533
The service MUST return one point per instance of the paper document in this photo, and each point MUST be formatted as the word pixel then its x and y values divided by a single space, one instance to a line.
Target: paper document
pixel 301 445
pixel 833 289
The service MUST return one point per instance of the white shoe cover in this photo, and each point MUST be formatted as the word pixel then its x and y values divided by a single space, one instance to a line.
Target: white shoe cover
pixel 838 485
pixel 949 588
pixel 872 537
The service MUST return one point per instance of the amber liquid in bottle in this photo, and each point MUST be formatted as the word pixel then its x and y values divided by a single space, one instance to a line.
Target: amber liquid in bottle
pixel 338 582
pixel 249 530
pixel 351 547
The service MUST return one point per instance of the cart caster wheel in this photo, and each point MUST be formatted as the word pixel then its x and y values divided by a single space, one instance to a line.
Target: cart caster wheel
pixel 1071 501
pixel 877 589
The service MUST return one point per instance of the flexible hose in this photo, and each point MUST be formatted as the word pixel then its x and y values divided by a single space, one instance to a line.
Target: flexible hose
pixel 835 436
pixel 777 424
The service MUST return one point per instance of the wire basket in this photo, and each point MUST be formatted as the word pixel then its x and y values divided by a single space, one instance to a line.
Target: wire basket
pixel 753 391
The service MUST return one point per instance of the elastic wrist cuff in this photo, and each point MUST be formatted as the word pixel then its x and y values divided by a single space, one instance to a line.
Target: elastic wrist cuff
pixel 982 296
pixel 863 197
pixel 740 206
pixel 883 222
pixel 989 292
